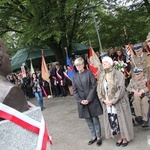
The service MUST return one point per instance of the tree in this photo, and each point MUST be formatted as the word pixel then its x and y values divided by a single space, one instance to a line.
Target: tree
pixel 55 24
pixel 58 23
pixel 132 16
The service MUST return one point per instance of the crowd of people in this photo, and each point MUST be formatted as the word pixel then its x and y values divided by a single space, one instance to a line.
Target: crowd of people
pixel 125 71
pixel 123 81
pixel 33 84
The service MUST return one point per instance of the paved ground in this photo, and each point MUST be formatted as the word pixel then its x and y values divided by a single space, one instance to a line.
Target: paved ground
pixel 71 133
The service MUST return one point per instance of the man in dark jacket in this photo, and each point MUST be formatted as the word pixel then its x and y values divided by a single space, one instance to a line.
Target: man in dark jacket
pixel 60 79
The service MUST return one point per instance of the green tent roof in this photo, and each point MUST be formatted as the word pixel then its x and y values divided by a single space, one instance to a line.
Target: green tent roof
pixel 24 56
pixel 79 48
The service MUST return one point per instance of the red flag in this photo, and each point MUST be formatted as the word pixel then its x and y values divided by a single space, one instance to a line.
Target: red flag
pixel 93 62
pixel 44 70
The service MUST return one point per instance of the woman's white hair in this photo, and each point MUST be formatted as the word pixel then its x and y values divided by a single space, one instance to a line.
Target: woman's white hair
pixel 108 59
pixel 79 60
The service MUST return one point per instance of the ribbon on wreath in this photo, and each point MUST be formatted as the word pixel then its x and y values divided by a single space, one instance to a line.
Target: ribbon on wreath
pixel 28 123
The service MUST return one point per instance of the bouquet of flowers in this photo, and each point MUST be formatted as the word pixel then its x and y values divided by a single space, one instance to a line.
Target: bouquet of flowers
pixel 120 65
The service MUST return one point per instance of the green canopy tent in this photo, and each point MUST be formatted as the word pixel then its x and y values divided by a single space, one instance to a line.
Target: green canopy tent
pixel 79 48
pixel 24 56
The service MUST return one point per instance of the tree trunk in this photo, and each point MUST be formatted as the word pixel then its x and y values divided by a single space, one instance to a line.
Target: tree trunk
pixel 58 50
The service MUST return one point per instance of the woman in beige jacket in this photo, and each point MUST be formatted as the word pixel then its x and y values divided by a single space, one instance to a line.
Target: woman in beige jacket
pixel 117 113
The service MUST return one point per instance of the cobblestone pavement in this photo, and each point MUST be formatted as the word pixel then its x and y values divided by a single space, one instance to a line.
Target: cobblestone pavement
pixel 71 133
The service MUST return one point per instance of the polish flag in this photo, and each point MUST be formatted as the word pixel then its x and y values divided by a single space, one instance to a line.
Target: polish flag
pixel 93 62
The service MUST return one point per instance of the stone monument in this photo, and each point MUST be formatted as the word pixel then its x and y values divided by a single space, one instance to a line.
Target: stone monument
pixel 17 132
pixel 10 94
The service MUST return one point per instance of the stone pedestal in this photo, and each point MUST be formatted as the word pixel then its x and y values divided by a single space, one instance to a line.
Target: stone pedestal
pixel 14 137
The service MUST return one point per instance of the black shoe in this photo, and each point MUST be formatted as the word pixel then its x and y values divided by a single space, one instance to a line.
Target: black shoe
pixel 99 142
pixel 61 95
pixel 119 143
pixel 124 144
pixel 144 124
pixel 139 120
pixel 42 108
pixel 92 141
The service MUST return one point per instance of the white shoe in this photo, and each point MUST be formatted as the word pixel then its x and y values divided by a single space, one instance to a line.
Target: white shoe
pixel 49 96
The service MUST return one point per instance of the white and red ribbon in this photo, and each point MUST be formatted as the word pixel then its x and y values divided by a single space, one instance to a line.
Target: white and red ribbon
pixel 30 105
pixel 65 74
pixel 28 123
pixel 58 75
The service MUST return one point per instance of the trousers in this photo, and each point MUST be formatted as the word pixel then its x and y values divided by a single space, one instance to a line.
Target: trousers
pixel 94 126
pixel 39 98
pixel 141 107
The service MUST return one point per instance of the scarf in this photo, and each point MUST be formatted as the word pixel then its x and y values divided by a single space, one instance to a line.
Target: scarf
pixel 109 76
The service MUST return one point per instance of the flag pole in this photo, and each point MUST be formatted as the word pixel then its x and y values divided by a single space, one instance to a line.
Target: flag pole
pixel 66 51
pixel 90 44
pixel 31 67
pixel 98 34
pixel 50 87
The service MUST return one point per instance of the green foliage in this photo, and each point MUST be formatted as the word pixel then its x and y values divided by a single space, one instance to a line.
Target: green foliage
pixel 135 19
pixel 58 23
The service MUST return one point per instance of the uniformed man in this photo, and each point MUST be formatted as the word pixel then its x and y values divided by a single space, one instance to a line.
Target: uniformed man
pixel 139 59
pixel 140 91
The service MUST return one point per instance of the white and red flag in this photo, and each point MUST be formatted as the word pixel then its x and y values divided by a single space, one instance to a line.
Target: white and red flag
pixel 93 62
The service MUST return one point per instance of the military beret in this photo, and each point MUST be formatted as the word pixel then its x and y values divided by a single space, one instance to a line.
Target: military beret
pixel 138 71
pixel 137 47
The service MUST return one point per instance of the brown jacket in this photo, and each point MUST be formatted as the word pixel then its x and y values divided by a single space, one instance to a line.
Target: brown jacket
pixel 119 98
pixel 139 62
